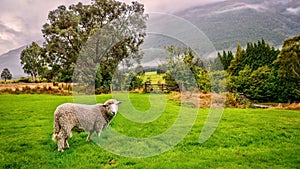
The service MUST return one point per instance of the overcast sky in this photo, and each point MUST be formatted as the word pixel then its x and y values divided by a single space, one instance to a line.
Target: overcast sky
pixel 21 20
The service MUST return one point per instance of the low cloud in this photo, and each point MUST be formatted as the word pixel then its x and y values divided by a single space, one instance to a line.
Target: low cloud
pixel 293 11
pixel 170 6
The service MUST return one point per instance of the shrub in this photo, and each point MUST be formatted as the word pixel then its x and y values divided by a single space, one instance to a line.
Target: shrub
pixel 236 100
pixel 24 80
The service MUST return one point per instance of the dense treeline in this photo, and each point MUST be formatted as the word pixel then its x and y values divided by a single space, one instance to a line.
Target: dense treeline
pixel 262 73
pixel 259 72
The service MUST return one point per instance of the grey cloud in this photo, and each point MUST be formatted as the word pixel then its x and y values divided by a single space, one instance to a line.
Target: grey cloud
pixel 9 37
pixel 5 29
pixel 30 15
pixel 170 6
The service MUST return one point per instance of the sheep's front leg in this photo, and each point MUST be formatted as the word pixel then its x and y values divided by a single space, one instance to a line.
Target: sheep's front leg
pixel 89 136
pixel 99 130
pixel 69 135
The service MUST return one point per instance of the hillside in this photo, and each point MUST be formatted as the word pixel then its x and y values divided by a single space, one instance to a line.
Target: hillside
pixel 12 61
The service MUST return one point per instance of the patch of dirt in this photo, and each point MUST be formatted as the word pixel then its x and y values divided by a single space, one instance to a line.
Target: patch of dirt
pixel 293 106
pixel 207 100
pixel 200 100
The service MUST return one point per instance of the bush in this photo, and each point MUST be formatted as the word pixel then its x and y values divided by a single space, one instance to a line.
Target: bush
pixel 24 80
pixel 235 100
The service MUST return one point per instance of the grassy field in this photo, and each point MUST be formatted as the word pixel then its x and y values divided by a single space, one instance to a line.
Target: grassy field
pixel 245 138
pixel 154 77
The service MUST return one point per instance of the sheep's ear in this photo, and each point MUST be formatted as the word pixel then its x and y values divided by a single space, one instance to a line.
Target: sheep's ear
pixel 119 102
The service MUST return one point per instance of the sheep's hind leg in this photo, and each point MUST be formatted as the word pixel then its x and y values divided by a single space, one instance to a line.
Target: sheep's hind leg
pixel 89 136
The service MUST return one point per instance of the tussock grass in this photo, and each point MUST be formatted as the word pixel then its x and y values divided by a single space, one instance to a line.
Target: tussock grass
pixel 245 138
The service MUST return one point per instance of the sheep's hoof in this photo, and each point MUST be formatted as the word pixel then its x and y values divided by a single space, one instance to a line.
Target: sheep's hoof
pixel 61 150
pixel 88 139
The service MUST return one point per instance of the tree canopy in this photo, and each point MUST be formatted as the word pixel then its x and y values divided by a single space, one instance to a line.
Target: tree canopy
pixel 288 62
pixel 256 55
pixel 289 58
pixel 6 75
pixel 32 61
pixel 69 29
pixel 222 62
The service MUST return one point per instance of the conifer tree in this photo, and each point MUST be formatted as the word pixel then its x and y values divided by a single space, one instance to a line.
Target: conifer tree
pixel 236 63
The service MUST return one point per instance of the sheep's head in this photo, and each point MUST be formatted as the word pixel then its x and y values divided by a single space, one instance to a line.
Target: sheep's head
pixel 111 106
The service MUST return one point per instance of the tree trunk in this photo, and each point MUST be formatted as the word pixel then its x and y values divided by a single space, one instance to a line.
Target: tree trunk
pixel 33 77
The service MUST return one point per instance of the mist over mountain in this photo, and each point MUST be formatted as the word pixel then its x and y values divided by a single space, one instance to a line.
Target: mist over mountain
pixel 228 23
pixel 240 21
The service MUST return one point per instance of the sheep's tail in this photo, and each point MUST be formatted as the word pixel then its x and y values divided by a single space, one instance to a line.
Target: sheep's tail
pixel 56 127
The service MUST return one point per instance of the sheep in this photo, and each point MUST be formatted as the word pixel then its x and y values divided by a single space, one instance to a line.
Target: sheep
pixel 90 118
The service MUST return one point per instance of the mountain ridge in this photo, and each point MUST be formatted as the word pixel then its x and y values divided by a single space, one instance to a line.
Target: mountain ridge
pixel 12 61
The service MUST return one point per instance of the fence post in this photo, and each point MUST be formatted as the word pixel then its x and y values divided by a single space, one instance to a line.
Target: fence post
pixel 145 89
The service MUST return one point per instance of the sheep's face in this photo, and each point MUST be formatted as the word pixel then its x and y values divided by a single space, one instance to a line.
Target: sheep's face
pixel 112 106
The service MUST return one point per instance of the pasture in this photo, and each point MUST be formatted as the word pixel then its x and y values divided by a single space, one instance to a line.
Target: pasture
pixel 244 138
pixel 154 77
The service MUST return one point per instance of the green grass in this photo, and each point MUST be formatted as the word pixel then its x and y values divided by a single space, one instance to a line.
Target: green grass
pixel 154 77
pixel 245 138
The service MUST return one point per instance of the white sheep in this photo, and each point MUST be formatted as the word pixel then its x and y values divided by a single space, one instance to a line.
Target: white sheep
pixel 90 118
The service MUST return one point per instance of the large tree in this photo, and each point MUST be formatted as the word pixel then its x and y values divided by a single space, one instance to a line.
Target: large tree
pixel 32 61
pixel 289 58
pixel 68 31
pixel 288 62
